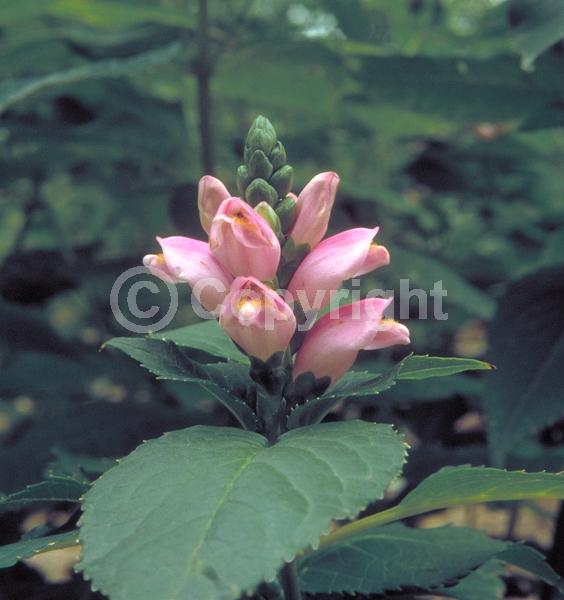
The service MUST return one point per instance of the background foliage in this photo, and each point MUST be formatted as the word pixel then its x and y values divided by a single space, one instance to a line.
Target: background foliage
pixel 444 121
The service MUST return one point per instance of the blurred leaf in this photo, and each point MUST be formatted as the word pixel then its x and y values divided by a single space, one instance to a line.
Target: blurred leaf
pixel 538 25
pixel 247 507
pixel 101 13
pixel 395 558
pixel 93 428
pixel 527 346
pixel 12 92
pixel 229 383
pixel 425 271
pixel 12 553
pixel 465 90
pixel 294 77
pixel 54 489
pixel 207 336
pixel 455 486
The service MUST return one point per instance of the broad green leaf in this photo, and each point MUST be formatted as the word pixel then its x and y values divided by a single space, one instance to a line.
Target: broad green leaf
pixel 212 511
pixel 527 346
pixel 228 383
pixel 12 92
pixel 12 553
pixel 396 558
pixel 362 383
pixel 453 486
pixel 423 367
pixel 54 489
pixel 539 25
pixel 207 336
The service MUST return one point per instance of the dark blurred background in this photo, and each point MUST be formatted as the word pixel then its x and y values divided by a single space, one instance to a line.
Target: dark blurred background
pixel 444 120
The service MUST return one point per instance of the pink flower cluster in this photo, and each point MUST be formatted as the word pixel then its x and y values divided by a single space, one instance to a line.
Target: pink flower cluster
pixel 234 274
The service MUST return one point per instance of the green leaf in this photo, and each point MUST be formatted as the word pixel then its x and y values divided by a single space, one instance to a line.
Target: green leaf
pixel 353 384
pixel 396 558
pixel 362 383
pixel 539 26
pixel 228 383
pixel 485 583
pixel 215 511
pixel 454 486
pixel 206 336
pixel 12 92
pixel 12 553
pixel 527 346
pixel 529 559
pixel 423 367
pixel 54 489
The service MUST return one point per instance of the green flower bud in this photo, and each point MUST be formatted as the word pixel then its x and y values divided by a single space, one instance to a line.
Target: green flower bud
pixel 267 213
pixel 261 135
pixel 286 211
pixel 282 180
pixel 243 180
pixel 278 156
pixel 259 165
pixel 260 191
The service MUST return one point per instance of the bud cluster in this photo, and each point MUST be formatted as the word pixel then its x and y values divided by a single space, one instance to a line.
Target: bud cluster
pixel 265 180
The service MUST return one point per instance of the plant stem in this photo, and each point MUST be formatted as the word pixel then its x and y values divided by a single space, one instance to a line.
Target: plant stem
pixel 203 71
pixel 290 582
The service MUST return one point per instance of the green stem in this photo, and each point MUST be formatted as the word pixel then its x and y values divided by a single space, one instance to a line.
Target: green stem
pixel 290 582
pixel 203 71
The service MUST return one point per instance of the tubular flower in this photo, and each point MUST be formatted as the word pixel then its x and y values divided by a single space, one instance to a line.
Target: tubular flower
pixel 184 260
pixel 270 237
pixel 336 259
pixel 257 318
pixel 211 193
pixel 333 343
pixel 243 242
pixel 313 209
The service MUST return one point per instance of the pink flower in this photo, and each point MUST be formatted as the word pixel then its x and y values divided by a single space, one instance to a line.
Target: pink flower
pixel 336 259
pixel 333 343
pixel 211 193
pixel 243 242
pixel 313 208
pixel 256 318
pixel 184 260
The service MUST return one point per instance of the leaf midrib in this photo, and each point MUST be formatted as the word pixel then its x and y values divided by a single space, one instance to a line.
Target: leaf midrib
pixel 193 560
